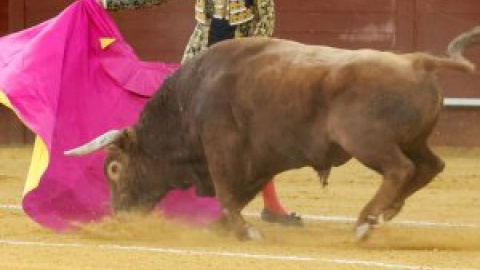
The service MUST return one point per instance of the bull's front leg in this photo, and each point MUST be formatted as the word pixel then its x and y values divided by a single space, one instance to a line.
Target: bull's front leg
pixel 223 152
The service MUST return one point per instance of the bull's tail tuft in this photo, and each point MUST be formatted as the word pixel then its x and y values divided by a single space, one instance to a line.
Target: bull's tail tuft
pixel 460 43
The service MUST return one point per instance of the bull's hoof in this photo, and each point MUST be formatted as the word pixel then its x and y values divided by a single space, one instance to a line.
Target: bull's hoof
pixel 254 233
pixel 250 233
pixel 363 231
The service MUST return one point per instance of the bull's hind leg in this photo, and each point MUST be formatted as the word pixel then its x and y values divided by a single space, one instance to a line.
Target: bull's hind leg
pixel 427 166
pixel 387 159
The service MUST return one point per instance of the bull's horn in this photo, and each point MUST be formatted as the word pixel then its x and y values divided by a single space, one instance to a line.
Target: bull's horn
pixel 95 144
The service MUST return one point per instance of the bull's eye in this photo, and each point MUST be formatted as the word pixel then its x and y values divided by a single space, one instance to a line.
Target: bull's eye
pixel 113 170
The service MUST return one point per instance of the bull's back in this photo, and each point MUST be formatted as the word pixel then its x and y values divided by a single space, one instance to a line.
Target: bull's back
pixel 270 79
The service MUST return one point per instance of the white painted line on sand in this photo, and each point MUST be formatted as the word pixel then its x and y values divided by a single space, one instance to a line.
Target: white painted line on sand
pixel 177 251
pixel 340 219
pixel 158 250
pixel 395 266
pixel 11 207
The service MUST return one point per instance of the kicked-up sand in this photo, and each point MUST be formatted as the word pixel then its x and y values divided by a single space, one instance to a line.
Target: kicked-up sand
pixel 438 229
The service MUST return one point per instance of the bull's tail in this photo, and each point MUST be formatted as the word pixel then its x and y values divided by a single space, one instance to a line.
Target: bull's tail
pixel 456 60
pixel 461 42
pixel 456 64
pixel 455 51
pixel 432 63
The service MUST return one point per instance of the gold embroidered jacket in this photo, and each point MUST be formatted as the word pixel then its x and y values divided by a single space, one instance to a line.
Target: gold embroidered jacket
pixel 235 11
pixel 125 4
pixel 255 21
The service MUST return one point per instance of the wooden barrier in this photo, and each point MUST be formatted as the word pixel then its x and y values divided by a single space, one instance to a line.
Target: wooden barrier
pixel 160 33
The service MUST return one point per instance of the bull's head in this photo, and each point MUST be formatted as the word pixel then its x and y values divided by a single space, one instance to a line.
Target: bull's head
pixel 131 174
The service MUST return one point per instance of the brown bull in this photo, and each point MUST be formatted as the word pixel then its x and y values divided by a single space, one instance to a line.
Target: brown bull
pixel 230 119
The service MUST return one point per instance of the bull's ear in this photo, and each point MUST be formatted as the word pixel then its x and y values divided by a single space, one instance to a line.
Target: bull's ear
pixel 131 135
pixel 113 147
pixel 125 142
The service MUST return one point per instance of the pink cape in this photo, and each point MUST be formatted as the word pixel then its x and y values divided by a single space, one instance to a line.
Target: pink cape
pixel 69 80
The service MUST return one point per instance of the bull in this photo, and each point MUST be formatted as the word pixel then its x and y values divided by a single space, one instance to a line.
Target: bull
pixel 244 110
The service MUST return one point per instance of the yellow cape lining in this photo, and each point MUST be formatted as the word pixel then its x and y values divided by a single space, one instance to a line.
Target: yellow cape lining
pixel 105 42
pixel 40 155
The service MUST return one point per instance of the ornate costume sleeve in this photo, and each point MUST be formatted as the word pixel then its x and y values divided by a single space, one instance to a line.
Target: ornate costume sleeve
pixel 265 22
pixel 125 4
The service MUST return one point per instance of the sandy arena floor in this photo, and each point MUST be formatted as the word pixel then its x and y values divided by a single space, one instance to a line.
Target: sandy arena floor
pixel 451 241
